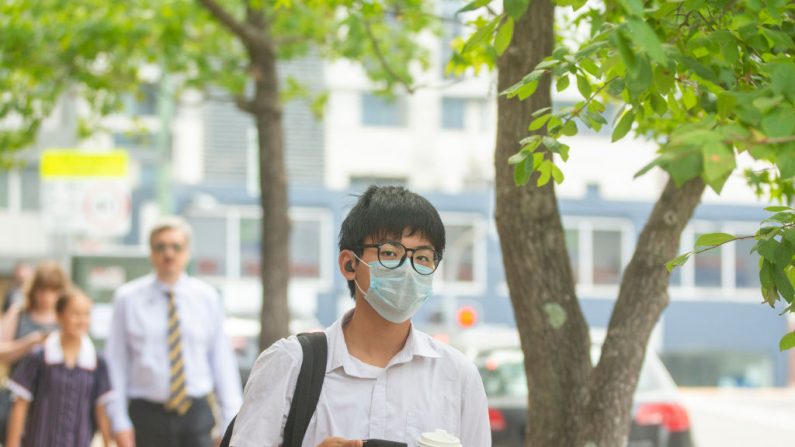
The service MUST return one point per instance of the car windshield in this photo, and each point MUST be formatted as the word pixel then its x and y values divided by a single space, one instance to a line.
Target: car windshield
pixel 502 371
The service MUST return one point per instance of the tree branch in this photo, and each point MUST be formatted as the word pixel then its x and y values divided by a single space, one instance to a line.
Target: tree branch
pixel 248 35
pixel 382 60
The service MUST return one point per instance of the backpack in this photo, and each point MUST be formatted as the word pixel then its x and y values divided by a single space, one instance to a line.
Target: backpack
pixel 307 390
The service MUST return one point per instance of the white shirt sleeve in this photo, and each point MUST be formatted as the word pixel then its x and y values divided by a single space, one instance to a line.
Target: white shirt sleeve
pixel 475 428
pixel 224 370
pixel 118 364
pixel 267 397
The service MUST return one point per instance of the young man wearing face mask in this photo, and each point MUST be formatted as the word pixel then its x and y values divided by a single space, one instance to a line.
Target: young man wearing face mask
pixel 384 378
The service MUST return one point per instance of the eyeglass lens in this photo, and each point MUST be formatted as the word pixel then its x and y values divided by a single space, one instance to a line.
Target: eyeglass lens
pixel 394 251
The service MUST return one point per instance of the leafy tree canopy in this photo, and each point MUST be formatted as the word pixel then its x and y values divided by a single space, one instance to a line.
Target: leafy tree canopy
pixel 707 80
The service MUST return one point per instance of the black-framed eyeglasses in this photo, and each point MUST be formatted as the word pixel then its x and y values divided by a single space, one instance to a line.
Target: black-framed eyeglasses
pixel 392 254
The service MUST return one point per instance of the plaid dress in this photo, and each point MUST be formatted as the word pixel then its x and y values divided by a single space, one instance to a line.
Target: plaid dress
pixel 62 399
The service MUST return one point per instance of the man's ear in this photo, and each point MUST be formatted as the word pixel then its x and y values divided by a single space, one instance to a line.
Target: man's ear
pixel 347 264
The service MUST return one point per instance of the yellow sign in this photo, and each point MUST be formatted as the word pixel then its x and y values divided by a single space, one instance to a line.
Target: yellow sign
pixel 71 163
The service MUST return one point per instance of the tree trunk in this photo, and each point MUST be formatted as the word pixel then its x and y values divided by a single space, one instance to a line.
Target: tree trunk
pixel 266 108
pixel 551 326
pixel 642 298
pixel 571 403
pixel 275 255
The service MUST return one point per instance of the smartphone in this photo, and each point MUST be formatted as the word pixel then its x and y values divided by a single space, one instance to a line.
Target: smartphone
pixel 383 443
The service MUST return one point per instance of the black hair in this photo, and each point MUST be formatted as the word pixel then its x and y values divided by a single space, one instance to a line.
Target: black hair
pixel 384 212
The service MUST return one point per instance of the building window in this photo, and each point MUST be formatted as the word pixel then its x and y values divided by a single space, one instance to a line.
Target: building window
pixel 708 267
pixel 4 190
pixel 459 254
pixel 453 113
pixel 597 249
pixel 746 265
pixel 305 247
pixel 573 247
pixel 209 246
pixel 250 246
pixel 607 257
pixel 383 112
pixel 30 189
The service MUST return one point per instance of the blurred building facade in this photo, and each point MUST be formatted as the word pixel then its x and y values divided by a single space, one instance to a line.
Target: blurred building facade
pixel 438 142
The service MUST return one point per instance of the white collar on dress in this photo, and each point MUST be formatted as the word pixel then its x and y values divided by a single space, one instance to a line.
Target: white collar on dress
pixel 53 352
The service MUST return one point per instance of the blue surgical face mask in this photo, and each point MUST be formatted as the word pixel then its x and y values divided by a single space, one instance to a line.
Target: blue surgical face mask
pixel 397 293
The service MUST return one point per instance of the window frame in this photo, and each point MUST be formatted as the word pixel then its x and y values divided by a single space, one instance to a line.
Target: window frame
pixel 479 252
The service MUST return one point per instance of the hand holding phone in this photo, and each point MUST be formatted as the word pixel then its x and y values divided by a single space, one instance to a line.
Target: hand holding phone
pixel 383 443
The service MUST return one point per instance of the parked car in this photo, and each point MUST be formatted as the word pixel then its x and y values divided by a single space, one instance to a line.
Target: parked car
pixel 658 418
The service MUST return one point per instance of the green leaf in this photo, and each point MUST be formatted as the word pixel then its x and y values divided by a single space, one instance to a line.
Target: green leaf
pixel 658 104
pixel 718 164
pixel 684 167
pixel 583 86
pixel 689 98
pixel 647 40
pixel 677 261
pixel 623 126
pixel 768 249
pixel 562 83
pixel 521 172
pixel 545 173
pixel 787 342
pixel 526 87
pixel 786 162
pixel 714 239
pixel 726 103
pixel 627 55
pixel 779 123
pixel 639 80
pixel 539 122
pixel 481 35
pixel 518 157
pixel 782 78
pixel 783 284
pixel 516 8
pixel 590 66
pixel 632 7
pixel 504 35
pixel 778 209
pixel 474 5
pixel 569 129
pixel 557 174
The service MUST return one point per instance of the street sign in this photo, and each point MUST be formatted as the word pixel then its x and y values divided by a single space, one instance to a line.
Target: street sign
pixel 85 192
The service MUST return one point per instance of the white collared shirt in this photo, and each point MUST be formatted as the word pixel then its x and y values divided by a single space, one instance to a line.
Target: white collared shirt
pixel 137 350
pixel 426 386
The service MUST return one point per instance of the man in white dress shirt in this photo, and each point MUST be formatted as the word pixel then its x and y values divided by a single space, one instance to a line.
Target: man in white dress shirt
pixel 167 352
pixel 384 378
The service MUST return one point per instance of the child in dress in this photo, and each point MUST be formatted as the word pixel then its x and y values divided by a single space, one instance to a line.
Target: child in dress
pixel 61 390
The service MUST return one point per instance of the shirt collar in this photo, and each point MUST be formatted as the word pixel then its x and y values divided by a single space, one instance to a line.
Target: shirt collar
pixel 163 287
pixel 53 352
pixel 418 344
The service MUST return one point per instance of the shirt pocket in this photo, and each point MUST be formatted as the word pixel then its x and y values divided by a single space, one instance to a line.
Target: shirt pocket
pixel 443 415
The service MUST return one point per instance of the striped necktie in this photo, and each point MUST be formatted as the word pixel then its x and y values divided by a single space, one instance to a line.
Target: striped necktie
pixel 178 400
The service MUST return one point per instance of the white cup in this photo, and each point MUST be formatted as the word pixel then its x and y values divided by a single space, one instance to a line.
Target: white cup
pixel 438 438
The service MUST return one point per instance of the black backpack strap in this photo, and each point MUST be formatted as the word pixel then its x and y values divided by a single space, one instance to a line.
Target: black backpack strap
pixel 307 390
